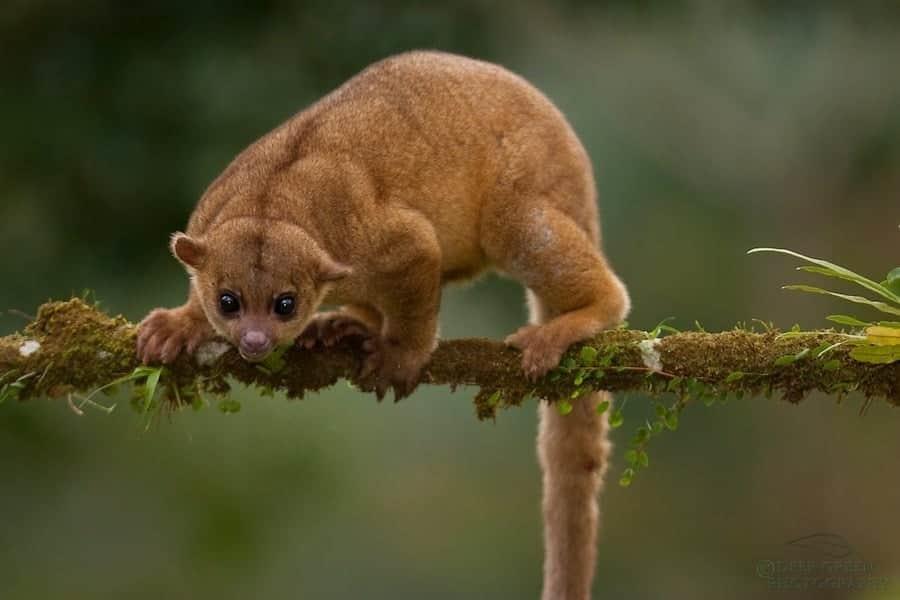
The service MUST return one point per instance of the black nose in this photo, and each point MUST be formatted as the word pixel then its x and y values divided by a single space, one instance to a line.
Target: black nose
pixel 255 344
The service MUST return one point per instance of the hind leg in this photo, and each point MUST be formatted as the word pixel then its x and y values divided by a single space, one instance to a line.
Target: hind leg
pixel 572 295
pixel 578 293
pixel 573 452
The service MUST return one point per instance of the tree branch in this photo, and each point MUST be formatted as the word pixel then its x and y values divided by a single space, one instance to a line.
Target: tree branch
pixel 73 347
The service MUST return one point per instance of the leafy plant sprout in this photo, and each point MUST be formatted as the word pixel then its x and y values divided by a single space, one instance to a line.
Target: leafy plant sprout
pixel 878 341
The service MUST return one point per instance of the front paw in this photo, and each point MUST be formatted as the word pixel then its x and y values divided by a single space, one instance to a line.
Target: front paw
pixel 164 333
pixel 540 352
pixel 329 328
pixel 391 366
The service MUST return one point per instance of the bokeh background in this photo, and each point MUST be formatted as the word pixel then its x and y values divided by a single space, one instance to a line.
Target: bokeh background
pixel 714 127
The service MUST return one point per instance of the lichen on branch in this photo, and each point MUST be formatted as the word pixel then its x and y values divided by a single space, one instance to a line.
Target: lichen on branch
pixel 74 347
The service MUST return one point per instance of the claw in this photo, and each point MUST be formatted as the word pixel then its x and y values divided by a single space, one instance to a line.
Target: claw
pixel 164 333
pixel 389 367
pixel 330 328
pixel 373 362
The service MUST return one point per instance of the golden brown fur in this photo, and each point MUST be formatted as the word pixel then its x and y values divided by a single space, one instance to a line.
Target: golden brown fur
pixel 424 168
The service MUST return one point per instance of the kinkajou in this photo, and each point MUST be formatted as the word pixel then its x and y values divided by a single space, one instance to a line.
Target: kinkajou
pixel 422 169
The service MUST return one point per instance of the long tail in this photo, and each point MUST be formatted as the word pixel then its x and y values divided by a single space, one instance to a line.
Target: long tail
pixel 572 451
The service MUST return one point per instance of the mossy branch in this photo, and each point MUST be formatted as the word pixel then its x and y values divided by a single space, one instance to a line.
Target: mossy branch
pixel 74 347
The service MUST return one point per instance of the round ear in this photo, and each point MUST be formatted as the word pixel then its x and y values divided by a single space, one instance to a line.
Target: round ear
pixel 331 270
pixel 190 252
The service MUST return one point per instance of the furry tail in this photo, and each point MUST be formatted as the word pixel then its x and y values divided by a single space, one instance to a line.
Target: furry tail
pixel 572 451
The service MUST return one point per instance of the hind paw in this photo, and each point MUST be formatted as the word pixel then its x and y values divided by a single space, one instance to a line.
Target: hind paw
pixel 540 351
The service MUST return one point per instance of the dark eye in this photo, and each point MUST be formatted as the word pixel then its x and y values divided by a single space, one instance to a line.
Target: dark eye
pixel 284 305
pixel 228 303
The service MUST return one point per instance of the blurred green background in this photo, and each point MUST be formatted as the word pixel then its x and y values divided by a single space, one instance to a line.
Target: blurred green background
pixel 714 127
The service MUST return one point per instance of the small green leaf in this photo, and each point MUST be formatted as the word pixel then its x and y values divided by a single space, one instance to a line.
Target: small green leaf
pixel 494 398
pixel 892 280
pixel 695 388
pixel 661 410
pixel 631 457
pixel 657 426
pixel 569 363
pixel 229 405
pixel 832 365
pixel 642 459
pixel 607 357
pixel 625 479
pixel 616 419
pixel 641 435
pixel 564 407
pixel 602 407
pixel 847 320
pixel 275 362
pixel 674 384
pixel 783 361
pixel 150 387
pixel 662 327
pixel 10 391
pixel 579 378
pixel 588 355
pixel 881 355
pixel 672 421
pixel 735 376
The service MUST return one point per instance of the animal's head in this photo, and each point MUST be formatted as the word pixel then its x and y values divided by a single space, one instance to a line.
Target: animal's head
pixel 259 282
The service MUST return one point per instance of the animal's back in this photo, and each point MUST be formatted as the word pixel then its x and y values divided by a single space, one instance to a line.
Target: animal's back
pixel 443 132
pixel 449 136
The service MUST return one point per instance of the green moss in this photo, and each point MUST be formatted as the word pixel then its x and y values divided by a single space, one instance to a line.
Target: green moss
pixel 79 346
pixel 83 349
